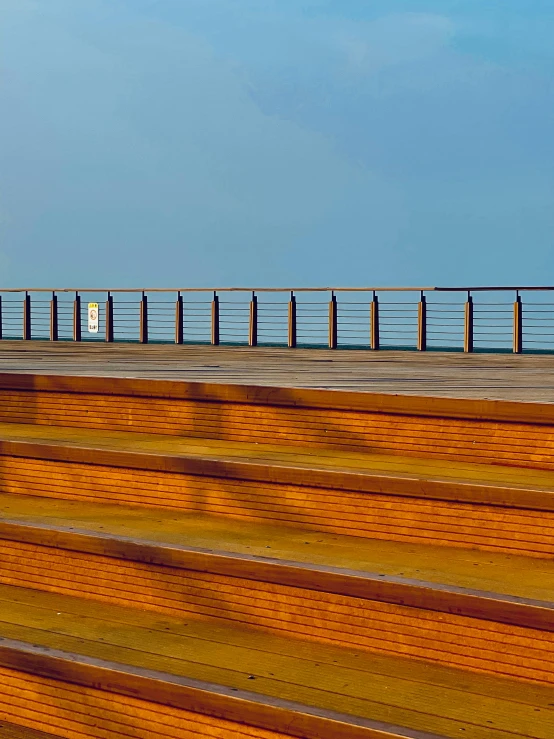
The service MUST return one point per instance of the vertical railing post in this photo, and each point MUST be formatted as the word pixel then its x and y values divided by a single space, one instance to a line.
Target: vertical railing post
pixel 215 320
pixel 253 328
pixel 179 319
pixel 77 318
pixel 422 323
pixel 374 322
pixel 54 318
pixel 292 321
pixel 144 319
pixel 109 318
pixel 518 325
pixel 333 322
pixel 468 324
pixel 27 317
pixel 1 335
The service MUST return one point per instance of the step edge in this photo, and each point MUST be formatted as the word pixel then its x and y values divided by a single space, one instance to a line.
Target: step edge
pixel 283 474
pixel 420 594
pixel 254 709
pixel 486 409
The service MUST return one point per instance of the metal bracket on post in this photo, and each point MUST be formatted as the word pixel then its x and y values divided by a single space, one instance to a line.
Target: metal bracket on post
pixel 179 319
pixel 422 324
pixel 215 320
pixel 468 324
pixel 333 322
pixel 292 321
pixel 518 325
pixel 253 328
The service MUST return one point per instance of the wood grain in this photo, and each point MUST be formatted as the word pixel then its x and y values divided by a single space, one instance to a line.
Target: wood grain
pixel 269 682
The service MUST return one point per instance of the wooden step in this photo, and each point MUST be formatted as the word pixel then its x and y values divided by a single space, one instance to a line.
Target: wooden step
pixel 367 495
pixel 115 671
pixel 11 731
pixel 482 612
pixel 495 432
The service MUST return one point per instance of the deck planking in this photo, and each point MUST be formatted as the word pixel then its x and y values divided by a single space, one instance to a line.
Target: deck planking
pixel 167 534
pixel 263 667
pixel 441 374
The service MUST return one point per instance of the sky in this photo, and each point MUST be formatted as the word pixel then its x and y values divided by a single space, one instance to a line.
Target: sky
pixel 174 143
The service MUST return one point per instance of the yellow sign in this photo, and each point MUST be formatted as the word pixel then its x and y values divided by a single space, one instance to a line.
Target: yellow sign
pixel 93 318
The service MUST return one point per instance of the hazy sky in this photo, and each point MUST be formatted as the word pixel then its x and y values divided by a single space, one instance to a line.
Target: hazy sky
pixel 202 142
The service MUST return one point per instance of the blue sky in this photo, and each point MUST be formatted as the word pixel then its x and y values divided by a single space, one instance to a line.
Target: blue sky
pixel 258 142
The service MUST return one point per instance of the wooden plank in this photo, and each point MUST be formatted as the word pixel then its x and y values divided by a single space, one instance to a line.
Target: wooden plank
pixel 469 569
pixel 81 648
pixel 489 485
pixel 443 593
pixel 11 731
pixel 455 375
pixel 310 612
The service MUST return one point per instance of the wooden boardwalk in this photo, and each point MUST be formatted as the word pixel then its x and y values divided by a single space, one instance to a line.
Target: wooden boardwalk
pixel 495 376
pixel 275 544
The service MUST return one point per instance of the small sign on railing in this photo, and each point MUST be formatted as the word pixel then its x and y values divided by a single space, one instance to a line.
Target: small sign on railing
pixel 93 318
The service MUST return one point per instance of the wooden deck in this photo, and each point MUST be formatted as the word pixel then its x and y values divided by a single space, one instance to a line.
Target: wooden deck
pixel 498 376
pixel 248 547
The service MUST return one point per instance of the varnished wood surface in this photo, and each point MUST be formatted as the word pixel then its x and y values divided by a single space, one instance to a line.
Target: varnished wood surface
pixel 333 469
pixel 495 432
pixel 377 497
pixel 450 375
pixel 233 670
pixel 11 731
pixel 186 537
pixel 517 592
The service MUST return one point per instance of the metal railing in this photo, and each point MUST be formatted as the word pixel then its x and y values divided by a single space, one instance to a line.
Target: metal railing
pixel 465 319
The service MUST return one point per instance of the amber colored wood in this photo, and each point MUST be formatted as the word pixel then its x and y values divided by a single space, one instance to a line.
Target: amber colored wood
pixel 220 544
pixel 518 326
pixel 292 322
pixel 109 319
pixel 328 469
pixel 437 637
pixel 417 593
pixel 522 444
pixel 468 325
pixel 11 731
pixel 379 517
pixel 422 324
pixel 186 665
pixel 78 711
pixel 296 397
pixel 374 323
pixel 333 328
pixel 215 320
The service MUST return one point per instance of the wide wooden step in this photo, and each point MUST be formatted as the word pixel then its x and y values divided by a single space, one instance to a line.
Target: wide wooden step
pixel 482 612
pixel 367 495
pixel 496 432
pixel 12 731
pixel 116 671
